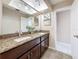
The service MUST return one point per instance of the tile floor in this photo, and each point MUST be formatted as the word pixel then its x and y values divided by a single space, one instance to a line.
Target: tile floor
pixel 52 54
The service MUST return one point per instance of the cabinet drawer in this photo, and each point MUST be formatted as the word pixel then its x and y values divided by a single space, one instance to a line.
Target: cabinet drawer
pixel 35 42
pixel 44 37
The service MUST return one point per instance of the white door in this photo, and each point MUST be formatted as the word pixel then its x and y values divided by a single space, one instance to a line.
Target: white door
pixel 74 29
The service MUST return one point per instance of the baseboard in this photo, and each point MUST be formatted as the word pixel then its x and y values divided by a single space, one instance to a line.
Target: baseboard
pixel 59 51
pixel 63 47
pixel 51 48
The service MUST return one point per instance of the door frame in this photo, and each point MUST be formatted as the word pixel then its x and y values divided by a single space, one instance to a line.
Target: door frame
pixel 55 18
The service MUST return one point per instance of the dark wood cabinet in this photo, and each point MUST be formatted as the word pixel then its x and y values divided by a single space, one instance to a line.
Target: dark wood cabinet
pixel 16 52
pixel 25 56
pixel 42 47
pixel 33 49
pixel 44 44
pixel 35 52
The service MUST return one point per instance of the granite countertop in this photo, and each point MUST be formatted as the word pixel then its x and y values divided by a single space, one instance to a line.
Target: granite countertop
pixel 7 44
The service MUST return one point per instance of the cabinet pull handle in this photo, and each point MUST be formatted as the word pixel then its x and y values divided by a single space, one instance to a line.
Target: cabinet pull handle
pixel 28 56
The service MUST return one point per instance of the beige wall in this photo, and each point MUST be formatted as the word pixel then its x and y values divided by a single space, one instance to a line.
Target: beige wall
pixel 11 21
pixel 0 15
pixel 50 28
pixel 63 26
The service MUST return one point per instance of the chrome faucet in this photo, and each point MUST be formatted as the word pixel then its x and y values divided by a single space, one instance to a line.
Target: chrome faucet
pixel 19 33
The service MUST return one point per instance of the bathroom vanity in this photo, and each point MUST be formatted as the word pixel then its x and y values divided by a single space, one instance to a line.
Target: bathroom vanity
pixel 31 48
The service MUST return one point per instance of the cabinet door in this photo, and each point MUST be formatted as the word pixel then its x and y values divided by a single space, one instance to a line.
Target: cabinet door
pixel 42 47
pixel 35 52
pixel 47 43
pixel 25 56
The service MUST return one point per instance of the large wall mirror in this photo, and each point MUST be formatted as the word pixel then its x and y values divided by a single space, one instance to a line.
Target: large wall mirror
pixel 32 22
pixel 15 19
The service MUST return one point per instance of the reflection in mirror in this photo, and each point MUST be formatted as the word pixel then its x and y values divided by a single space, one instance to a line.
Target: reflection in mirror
pixel 14 21
pixel 29 24
pixel 10 21
pixel 36 21
pixel 26 22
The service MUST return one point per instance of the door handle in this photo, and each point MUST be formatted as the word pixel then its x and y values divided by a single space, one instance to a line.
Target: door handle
pixel 75 36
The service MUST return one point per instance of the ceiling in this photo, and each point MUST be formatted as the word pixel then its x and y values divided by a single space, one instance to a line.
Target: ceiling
pixel 51 4
pixel 52 1
pixel 55 1
pixel 59 3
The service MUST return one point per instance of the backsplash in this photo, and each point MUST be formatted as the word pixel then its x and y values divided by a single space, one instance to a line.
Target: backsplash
pixel 5 36
pixel 8 35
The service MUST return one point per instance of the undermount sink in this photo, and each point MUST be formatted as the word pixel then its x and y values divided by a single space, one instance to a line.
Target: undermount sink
pixel 41 33
pixel 21 39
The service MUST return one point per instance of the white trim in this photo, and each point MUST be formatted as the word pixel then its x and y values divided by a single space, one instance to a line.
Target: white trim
pixel 51 48
pixel 54 26
pixel 63 9
pixel 63 47
pixel 59 10
pixel 59 51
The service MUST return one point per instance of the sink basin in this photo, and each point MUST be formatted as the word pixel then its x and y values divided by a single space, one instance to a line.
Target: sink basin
pixel 21 39
pixel 41 33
